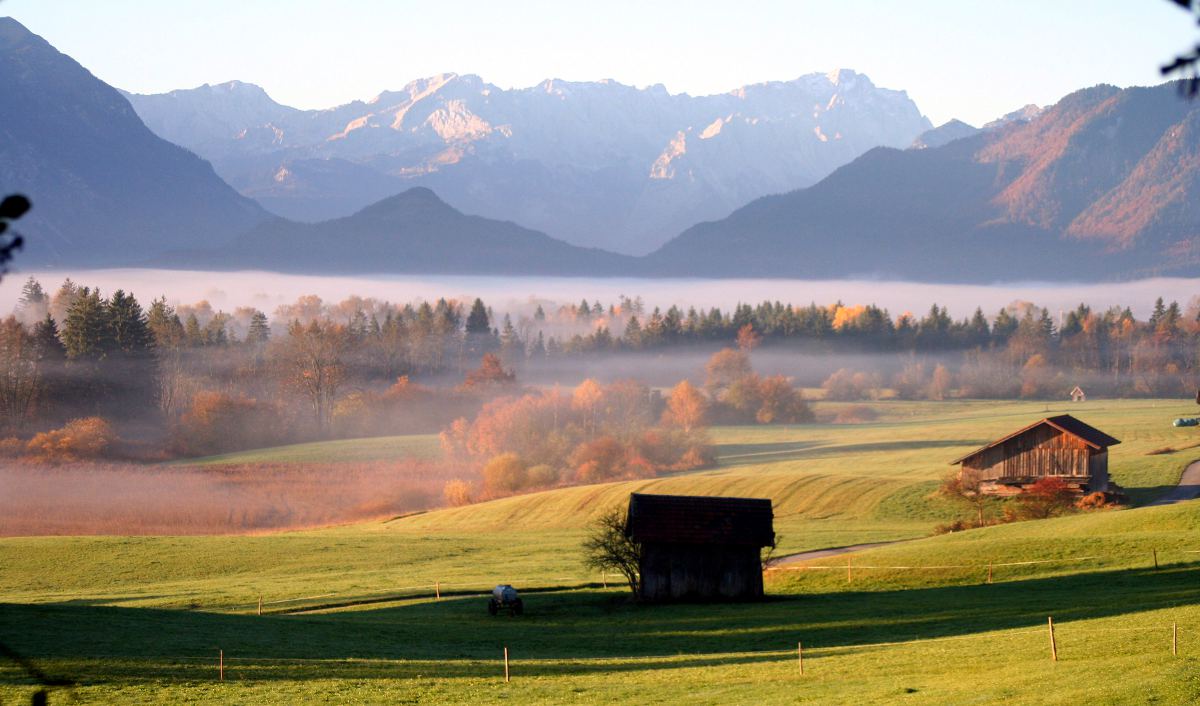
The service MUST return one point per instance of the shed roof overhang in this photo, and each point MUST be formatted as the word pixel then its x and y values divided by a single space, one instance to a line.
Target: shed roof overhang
pixel 1065 423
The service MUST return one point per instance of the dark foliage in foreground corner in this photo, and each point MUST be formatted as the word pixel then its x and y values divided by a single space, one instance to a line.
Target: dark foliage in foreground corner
pixel 11 208
pixel 1188 64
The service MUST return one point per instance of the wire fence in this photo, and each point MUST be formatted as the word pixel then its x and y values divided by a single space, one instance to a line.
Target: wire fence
pixel 219 666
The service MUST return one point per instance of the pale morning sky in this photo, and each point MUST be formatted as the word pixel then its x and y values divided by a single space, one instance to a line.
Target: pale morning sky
pixel 971 59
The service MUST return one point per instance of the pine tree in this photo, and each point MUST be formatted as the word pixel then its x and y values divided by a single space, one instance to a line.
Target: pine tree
pixel 1160 310
pixel 977 328
pixel 129 328
pixel 46 341
pixel 1004 326
pixel 540 314
pixel 260 331
pixel 633 333
pixel 63 299
pixel 86 332
pixel 538 349
pixel 192 333
pixel 164 323
pixel 478 321
pixel 34 302
pixel 216 330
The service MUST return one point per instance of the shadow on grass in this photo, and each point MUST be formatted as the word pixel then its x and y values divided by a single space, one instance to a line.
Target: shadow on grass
pixel 456 637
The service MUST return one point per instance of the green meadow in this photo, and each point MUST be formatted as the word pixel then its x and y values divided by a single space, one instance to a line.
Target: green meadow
pixel 350 613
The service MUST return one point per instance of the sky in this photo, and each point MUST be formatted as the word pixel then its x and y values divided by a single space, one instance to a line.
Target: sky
pixel 969 59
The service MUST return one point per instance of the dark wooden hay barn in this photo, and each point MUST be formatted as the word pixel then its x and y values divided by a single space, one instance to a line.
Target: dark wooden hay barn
pixel 1058 447
pixel 700 548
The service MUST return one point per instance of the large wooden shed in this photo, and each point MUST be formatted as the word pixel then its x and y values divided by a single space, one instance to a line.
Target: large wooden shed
pixel 700 547
pixel 1059 447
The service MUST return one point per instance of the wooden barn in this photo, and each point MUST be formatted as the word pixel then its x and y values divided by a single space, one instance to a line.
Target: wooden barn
pixel 700 548
pixel 1060 447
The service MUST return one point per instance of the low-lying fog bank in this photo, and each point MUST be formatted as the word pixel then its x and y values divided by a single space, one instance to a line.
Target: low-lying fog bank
pixel 89 498
pixel 267 290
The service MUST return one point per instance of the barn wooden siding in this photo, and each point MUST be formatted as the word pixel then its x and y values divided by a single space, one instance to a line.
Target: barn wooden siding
pixel 1044 451
pixel 1061 447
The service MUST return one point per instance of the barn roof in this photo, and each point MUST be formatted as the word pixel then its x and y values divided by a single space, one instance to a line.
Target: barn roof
pixel 689 519
pixel 1065 423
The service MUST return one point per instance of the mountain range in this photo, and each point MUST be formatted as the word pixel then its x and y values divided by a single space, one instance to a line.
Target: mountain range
pixel 1101 185
pixel 413 232
pixel 597 164
pixel 106 190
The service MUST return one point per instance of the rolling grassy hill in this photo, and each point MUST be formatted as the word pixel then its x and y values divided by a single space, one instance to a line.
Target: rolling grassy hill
pixel 373 449
pixel 140 619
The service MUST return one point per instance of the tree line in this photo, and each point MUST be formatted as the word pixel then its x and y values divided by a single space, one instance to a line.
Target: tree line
pixel 208 379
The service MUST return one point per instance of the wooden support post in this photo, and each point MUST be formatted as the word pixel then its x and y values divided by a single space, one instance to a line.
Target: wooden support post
pixel 1155 559
pixel 989 572
pixel 437 590
pixel 506 664
pixel 1174 639
pixel 1053 645
pixel 604 578
pixel 260 604
pixel 221 664
pixel 847 569
pixel 800 656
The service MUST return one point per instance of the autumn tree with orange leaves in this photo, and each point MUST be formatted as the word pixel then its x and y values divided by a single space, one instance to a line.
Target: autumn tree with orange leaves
pixel 686 407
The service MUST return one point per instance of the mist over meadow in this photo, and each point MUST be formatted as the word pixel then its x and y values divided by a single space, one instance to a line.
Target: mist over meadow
pixel 521 295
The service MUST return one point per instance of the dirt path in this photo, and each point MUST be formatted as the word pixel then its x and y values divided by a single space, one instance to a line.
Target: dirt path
pixel 1188 488
pixel 833 551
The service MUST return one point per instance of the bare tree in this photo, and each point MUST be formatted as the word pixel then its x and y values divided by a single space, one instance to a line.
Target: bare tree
pixel 609 548
pixel 965 488
pixel 311 362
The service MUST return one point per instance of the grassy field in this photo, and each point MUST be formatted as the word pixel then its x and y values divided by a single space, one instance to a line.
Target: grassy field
pixel 379 448
pixel 351 615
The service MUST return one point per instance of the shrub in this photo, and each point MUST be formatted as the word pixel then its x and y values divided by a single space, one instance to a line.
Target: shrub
pixel 490 373
pixel 948 527
pixel 1047 497
pixel 504 474
pixel 599 460
pixel 457 493
pixel 845 385
pixel 1098 500
pixel 80 439
pixel 543 476
pixel 218 422
pixel 11 447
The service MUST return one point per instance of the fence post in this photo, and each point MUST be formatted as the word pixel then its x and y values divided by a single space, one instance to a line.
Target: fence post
pixel 1053 646
pixel 221 664
pixel 847 569
pixel 800 656
pixel 260 604
pixel 1174 638
pixel 1155 559
pixel 506 664
pixel 437 590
